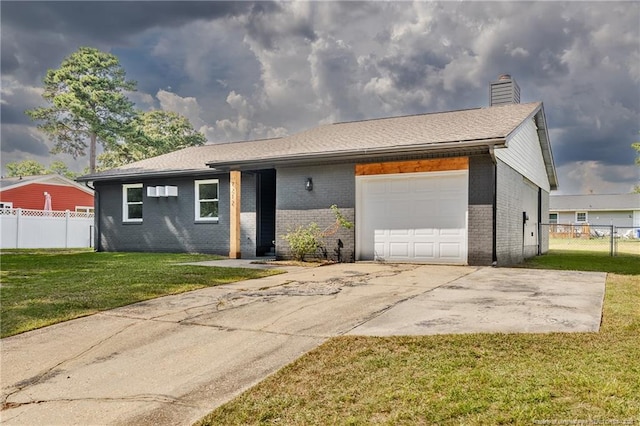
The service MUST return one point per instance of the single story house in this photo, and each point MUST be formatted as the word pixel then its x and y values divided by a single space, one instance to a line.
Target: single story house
pixel 456 187
pixel 30 192
pixel 619 210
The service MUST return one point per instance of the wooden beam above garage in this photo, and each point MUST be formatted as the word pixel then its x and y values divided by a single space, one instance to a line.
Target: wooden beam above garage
pixel 432 165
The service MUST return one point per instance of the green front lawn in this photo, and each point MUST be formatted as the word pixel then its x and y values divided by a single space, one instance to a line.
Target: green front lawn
pixel 44 287
pixel 578 260
pixel 475 379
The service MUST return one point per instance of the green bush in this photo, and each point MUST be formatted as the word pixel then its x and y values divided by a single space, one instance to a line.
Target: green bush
pixel 304 240
pixel 307 240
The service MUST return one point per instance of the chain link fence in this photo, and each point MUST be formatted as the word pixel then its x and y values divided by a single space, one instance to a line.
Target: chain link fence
pixel 614 240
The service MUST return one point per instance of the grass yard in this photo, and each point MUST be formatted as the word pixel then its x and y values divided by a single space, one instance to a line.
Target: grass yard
pixel 44 287
pixel 477 379
pixel 623 246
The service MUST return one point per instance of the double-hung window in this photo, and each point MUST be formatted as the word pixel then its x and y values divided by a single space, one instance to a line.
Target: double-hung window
pixel 581 217
pixel 206 198
pixel 132 202
pixel 553 218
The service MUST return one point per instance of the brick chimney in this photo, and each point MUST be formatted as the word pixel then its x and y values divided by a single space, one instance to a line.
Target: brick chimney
pixel 504 91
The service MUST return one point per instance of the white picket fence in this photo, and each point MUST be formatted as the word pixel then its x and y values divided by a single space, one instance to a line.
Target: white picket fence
pixel 25 228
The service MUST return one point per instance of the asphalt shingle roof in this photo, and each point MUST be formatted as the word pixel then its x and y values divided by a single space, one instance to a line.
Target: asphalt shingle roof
pixel 406 132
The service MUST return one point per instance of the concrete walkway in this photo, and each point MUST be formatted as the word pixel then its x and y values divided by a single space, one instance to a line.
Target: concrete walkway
pixel 173 359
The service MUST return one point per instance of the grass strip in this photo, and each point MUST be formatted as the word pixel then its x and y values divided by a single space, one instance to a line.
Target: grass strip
pixel 44 287
pixel 476 379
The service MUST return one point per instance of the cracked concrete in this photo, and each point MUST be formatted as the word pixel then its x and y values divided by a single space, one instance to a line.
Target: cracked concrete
pixel 173 359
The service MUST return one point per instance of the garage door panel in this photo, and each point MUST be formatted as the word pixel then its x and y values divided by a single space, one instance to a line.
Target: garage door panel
pixel 421 232
pixel 450 232
pixel 425 208
pixel 424 250
pixel 399 186
pixel 450 250
pixel 399 250
pixel 413 217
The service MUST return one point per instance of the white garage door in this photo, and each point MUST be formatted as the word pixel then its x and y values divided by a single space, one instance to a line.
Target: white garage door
pixel 418 217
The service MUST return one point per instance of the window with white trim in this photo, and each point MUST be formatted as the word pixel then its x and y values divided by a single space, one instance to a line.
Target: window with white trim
pixel 6 204
pixel 581 217
pixel 553 218
pixel 206 198
pixel 132 202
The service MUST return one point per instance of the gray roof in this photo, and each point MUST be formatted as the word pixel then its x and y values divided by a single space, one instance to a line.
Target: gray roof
pixel 6 182
pixel 591 202
pixel 453 130
pixel 17 181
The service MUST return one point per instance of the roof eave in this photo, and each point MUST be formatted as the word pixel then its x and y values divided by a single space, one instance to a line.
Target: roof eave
pixel 545 145
pixel 357 154
pixel 146 174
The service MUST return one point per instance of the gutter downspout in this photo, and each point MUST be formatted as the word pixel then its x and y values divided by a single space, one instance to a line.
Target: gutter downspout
pixel 494 241
pixel 96 216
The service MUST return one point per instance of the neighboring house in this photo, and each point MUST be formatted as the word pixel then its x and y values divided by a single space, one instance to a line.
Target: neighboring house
pixel 619 210
pixel 458 187
pixel 28 192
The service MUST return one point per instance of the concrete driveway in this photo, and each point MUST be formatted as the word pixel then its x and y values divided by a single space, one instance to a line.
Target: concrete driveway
pixel 172 360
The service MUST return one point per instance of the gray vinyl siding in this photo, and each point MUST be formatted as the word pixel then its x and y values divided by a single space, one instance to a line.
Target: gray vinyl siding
pixel 524 155
pixel 295 206
pixel 604 218
pixel 169 224
pixel 504 92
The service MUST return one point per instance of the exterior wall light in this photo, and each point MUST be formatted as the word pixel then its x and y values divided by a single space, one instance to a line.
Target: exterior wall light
pixel 308 185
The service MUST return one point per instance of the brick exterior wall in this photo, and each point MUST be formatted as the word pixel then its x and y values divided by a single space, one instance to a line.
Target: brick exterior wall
pixel 290 219
pixel 530 205
pixel 544 232
pixel 295 206
pixel 480 235
pixel 508 216
pixel 480 213
pixel 514 194
pixel 169 222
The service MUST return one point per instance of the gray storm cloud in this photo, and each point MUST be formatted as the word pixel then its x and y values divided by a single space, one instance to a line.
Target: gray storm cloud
pixel 250 70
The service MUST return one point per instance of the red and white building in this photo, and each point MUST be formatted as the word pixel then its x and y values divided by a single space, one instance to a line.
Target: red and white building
pixel 30 192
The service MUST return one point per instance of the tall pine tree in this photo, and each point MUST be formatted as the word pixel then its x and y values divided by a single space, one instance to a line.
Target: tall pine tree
pixel 87 103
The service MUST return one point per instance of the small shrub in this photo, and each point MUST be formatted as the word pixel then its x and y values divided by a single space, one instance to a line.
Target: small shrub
pixel 307 240
pixel 304 240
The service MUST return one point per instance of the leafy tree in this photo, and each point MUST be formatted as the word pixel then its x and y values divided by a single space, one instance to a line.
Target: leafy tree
pixel 59 168
pixel 25 168
pixel 34 168
pixel 87 102
pixel 153 133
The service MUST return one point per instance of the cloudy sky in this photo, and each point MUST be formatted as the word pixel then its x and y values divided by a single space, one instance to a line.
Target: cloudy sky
pixel 242 70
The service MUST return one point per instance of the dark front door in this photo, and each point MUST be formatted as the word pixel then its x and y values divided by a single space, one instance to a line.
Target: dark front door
pixel 266 214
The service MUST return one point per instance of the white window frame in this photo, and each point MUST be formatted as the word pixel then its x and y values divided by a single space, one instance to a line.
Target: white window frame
pixel 586 217
pixel 125 203
pixel 197 199
pixel 6 204
pixel 553 221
